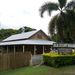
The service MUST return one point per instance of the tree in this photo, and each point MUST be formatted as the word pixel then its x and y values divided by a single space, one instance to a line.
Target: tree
pixel 61 22
pixel 26 29
pixel 4 33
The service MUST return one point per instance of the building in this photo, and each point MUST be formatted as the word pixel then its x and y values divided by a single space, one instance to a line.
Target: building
pixel 36 42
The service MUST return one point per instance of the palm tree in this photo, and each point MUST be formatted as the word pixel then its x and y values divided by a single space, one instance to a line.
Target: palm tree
pixel 59 22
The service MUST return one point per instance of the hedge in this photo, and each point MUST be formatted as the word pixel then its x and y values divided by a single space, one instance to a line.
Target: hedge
pixel 57 60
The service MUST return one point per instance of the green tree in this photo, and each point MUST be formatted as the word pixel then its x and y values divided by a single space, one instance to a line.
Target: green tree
pixel 4 33
pixel 61 23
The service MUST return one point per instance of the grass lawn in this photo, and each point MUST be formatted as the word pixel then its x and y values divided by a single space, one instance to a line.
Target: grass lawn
pixel 41 70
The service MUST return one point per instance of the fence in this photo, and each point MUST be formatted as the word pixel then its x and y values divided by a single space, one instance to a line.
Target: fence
pixel 36 59
pixel 11 60
pixel 64 45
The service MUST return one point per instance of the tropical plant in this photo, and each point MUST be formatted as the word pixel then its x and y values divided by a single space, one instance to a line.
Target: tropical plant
pixel 63 21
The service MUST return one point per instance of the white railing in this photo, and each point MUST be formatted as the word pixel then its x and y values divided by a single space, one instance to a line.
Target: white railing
pixel 63 45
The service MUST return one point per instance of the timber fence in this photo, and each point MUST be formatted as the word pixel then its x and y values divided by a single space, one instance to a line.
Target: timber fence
pixel 12 61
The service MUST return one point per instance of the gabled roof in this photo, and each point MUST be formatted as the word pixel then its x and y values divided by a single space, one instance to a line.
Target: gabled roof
pixel 21 36
pixel 25 39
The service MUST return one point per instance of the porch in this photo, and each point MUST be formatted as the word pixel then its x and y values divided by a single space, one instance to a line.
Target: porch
pixel 34 49
pixel 13 56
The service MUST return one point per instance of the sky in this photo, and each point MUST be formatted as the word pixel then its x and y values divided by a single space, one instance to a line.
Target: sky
pixel 18 13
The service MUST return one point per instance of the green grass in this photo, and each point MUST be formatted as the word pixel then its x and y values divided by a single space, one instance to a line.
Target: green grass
pixel 41 70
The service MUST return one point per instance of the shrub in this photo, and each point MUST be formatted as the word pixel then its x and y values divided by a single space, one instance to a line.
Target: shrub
pixel 56 60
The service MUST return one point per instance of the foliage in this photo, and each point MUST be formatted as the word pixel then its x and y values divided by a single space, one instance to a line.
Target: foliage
pixel 63 22
pixel 49 7
pixel 26 29
pixel 4 33
pixel 56 38
pixel 56 60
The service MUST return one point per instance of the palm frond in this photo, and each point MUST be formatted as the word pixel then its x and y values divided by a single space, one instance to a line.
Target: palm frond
pixel 62 3
pixel 52 25
pixel 48 7
pixel 71 5
pixel 70 15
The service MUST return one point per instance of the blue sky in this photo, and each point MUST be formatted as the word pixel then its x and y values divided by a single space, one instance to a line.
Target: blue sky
pixel 19 13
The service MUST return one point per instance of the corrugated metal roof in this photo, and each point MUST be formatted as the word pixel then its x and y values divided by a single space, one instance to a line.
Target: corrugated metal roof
pixel 21 36
pixel 31 42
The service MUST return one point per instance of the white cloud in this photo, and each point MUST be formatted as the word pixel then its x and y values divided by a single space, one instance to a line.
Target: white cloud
pixel 18 13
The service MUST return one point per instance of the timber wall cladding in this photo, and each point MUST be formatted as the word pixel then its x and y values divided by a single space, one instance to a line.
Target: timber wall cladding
pixel 39 35
pixel 11 61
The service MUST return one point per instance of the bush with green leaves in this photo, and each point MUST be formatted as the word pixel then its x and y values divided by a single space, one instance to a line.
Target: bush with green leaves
pixel 57 60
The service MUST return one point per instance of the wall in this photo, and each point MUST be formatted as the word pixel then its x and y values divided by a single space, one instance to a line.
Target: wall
pixel 39 35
